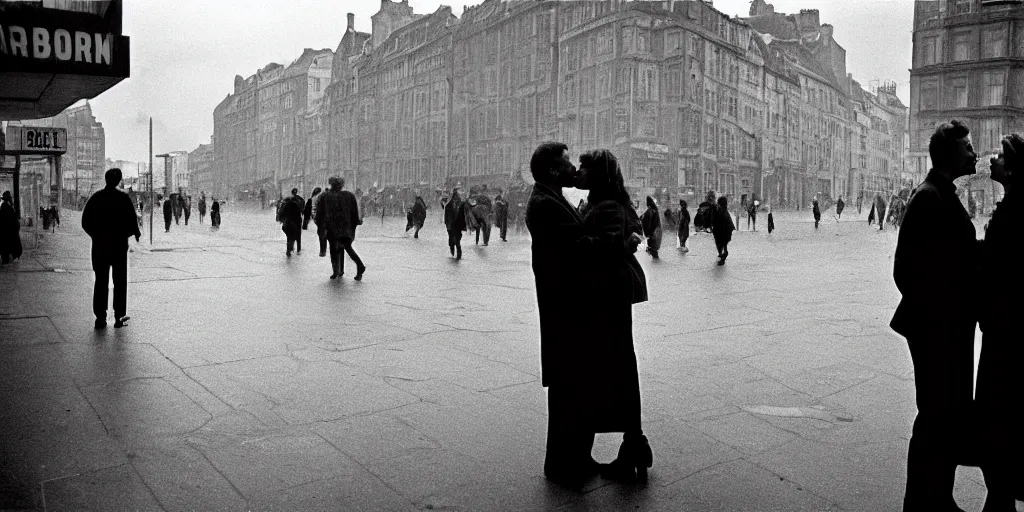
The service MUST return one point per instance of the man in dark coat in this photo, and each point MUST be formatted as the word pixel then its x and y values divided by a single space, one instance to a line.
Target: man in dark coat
pixel 307 210
pixel 202 206
pixel 559 243
pixel 291 222
pixel 839 208
pixel 10 240
pixel 481 212
pixel 337 213
pixel 179 205
pixel 109 219
pixel 186 207
pixel 935 268
pixel 816 210
pixel 501 217
pixel 880 211
pixel 168 214
pixel 722 228
pixel 455 223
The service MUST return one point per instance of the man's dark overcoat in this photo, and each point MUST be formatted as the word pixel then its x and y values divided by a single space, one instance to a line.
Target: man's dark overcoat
pixel 337 212
pixel 291 216
pixel 558 246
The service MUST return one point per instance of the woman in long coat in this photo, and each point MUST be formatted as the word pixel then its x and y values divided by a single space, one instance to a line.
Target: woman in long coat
pixel 1000 392
pixel 651 222
pixel 684 225
pixel 608 393
pixel 455 223
pixel 215 214
pixel 10 240
pixel 722 228
pixel 417 216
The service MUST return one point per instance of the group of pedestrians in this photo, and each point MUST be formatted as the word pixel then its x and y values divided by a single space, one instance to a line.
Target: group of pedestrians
pixel 335 214
pixel 475 214
pixel 939 266
pixel 179 205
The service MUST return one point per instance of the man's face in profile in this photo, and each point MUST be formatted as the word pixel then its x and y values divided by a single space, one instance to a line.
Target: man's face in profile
pixel 565 171
pixel 964 156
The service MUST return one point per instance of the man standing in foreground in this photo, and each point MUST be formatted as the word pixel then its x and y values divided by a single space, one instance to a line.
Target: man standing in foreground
pixel 558 247
pixel 934 268
pixel 337 212
pixel 109 219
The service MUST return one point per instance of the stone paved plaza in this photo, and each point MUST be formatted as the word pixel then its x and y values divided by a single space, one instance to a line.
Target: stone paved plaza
pixel 249 381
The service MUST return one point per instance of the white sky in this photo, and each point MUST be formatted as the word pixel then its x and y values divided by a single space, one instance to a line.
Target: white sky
pixel 186 53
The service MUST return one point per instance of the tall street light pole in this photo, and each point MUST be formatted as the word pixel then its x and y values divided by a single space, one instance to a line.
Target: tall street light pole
pixel 151 207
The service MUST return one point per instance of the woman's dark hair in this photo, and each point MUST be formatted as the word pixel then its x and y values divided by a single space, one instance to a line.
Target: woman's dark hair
pixel 651 203
pixel 1013 156
pixel 723 202
pixel 682 203
pixel 317 190
pixel 605 177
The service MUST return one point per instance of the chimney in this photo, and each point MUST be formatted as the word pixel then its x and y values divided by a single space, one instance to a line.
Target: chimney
pixel 351 22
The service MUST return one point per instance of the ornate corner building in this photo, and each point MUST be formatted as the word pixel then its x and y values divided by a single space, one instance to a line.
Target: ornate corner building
pixel 968 65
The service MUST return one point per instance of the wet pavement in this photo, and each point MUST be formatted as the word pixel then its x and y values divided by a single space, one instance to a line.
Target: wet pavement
pixel 246 380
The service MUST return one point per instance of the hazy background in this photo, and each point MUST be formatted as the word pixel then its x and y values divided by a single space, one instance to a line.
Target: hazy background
pixel 186 53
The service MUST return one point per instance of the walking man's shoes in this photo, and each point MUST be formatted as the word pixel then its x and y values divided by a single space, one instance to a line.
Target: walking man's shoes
pixel 359 273
pixel 121 322
pixel 101 323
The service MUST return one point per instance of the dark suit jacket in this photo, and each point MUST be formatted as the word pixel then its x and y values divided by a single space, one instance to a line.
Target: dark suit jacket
pixel 109 219
pixel 558 245
pixel 936 262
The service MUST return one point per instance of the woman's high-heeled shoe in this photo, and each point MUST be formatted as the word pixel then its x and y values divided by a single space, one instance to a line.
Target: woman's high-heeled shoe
pixel 631 465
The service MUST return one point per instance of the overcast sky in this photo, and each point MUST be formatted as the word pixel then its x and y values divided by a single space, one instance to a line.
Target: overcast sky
pixel 186 53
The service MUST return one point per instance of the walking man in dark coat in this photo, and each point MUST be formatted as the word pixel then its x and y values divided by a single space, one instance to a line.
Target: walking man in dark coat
pixel 840 205
pixel 417 216
pixel 337 213
pixel 501 217
pixel 816 210
pixel 186 207
pixel 935 267
pixel 455 223
pixel 168 214
pixel 10 240
pixel 880 211
pixel 109 219
pixel 291 222
pixel 557 248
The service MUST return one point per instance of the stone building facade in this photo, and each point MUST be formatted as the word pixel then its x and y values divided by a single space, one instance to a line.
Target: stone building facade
pixel 200 169
pixel 688 98
pixel 968 64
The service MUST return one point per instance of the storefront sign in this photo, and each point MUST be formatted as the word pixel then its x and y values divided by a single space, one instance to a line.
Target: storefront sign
pixel 35 140
pixel 54 40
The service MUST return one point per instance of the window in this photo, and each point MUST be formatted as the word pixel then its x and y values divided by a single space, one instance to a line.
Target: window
pixel 993 43
pixel 962 46
pixel 962 6
pixel 994 87
pixel 958 92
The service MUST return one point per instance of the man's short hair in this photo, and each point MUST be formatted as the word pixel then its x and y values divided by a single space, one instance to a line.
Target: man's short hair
pixel 946 134
pixel 295 191
pixel 544 158
pixel 112 177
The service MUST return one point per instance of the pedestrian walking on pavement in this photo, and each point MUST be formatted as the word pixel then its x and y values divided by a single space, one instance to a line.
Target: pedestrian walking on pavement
pixel 214 214
pixel 501 217
pixel 840 205
pixel 999 396
pixel 168 214
pixel 816 210
pixel 290 217
pixel 186 208
pixel 455 222
pixel 481 212
pixel 307 209
pixel 752 213
pixel 337 212
pixel 771 220
pixel 109 220
pixel 684 225
pixel 179 204
pixel 417 216
pixel 722 228
pixel 935 268
pixel 651 223
pixel 880 211
pixel 10 240
pixel 202 206
pixel 607 395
